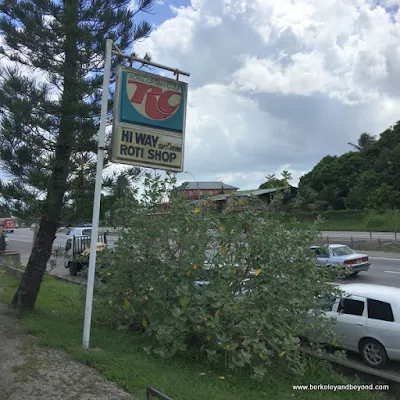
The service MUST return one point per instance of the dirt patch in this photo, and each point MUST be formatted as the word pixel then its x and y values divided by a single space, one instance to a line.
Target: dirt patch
pixel 28 371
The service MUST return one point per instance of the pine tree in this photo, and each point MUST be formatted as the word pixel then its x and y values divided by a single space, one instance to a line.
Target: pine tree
pixel 50 106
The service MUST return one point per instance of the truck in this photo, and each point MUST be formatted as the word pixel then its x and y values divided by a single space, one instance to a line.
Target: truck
pixel 9 224
pixel 77 248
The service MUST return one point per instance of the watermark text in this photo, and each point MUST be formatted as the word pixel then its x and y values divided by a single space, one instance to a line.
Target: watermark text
pixel 335 388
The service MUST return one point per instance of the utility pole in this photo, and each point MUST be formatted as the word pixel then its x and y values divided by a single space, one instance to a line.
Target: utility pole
pixel 97 195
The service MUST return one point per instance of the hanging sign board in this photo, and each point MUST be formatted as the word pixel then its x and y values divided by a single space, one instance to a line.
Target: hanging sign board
pixel 149 120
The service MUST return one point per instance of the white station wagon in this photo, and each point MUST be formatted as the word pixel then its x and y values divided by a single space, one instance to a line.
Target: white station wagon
pixel 368 322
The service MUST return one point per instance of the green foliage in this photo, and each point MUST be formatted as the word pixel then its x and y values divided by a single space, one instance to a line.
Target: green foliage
pixel 348 220
pixel 272 182
pixel 366 179
pixel 119 356
pixel 332 215
pixel 365 142
pixel 262 284
pixel 50 99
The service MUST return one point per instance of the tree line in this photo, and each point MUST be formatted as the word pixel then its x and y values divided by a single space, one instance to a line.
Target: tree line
pixel 365 177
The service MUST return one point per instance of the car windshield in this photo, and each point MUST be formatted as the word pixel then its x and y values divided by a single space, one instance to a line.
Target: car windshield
pixel 342 251
pixel 86 232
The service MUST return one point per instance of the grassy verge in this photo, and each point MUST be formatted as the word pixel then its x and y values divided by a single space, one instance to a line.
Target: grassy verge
pixel 57 322
pixel 354 220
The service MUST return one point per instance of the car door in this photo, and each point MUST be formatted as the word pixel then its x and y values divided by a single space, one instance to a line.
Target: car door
pixel 381 324
pixel 322 255
pixel 351 321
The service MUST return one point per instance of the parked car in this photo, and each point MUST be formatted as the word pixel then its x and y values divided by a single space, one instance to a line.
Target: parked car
pixel 339 254
pixel 367 321
pixel 208 270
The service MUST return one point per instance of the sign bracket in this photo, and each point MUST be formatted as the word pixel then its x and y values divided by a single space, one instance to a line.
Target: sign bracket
pixel 133 58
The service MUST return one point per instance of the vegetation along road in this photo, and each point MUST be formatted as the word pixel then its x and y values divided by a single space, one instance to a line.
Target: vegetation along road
pixel 384 270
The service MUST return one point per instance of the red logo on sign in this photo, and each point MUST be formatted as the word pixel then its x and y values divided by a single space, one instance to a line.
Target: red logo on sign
pixel 152 101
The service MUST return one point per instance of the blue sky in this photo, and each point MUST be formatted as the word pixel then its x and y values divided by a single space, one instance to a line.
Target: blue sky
pixel 162 10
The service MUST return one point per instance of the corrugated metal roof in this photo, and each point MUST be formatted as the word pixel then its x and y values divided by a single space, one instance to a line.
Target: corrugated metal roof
pixel 259 192
pixel 205 186
pixel 244 193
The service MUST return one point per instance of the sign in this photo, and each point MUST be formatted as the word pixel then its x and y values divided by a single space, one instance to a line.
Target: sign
pixel 149 120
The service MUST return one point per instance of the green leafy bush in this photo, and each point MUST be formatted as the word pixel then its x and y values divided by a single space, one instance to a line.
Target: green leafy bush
pixel 261 287
pixel 331 215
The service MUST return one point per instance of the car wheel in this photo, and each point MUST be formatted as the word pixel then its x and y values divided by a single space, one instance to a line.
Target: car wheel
pixel 373 353
pixel 72 269
pixel 354 273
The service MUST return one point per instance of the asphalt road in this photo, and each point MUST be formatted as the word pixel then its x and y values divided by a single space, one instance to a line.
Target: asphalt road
pixel 25 235
pixel 383 271
pixel 21 240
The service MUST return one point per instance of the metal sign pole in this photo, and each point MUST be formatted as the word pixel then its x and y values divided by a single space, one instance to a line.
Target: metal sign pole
pixel 97 194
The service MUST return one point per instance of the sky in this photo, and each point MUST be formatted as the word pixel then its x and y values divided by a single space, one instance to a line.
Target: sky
pixel 277 85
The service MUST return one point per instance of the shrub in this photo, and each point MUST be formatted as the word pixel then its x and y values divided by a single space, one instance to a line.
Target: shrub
pixel 332 215
pixel 261 287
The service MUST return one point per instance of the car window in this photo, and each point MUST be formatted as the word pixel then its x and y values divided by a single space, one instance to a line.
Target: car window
pixel 68 245
pixel 86 232
pixel 319 252
pixel 342 251
pixel 325 303
pixel 380 310
pixel 351 306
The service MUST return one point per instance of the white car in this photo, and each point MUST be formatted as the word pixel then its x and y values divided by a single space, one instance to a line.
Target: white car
pixel 339 254
pixel 367 321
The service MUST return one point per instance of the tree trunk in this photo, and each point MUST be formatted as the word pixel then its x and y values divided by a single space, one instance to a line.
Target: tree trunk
pixel 27 292
pixel 29 287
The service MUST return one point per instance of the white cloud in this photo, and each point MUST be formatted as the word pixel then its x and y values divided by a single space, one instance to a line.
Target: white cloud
pixel 277 84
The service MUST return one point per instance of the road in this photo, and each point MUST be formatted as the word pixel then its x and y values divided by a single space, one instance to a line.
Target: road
pixel 21 240
pixel 383 270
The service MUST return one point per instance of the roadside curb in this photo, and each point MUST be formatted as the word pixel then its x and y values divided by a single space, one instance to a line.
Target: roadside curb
pixel 17 273
pixel 353 365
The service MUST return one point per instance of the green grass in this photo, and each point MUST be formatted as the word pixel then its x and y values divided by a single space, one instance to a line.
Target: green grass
pixel 58 319
pixel 353 220
pixel 18 266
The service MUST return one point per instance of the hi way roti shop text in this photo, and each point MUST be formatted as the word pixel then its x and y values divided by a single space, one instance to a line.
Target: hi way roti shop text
pixel 149 120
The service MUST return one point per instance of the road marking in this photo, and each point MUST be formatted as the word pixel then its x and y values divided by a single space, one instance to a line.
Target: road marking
pixel 392 272
pixel 383 258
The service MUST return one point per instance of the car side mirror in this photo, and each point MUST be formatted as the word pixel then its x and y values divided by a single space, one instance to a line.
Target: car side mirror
pixel 68 245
